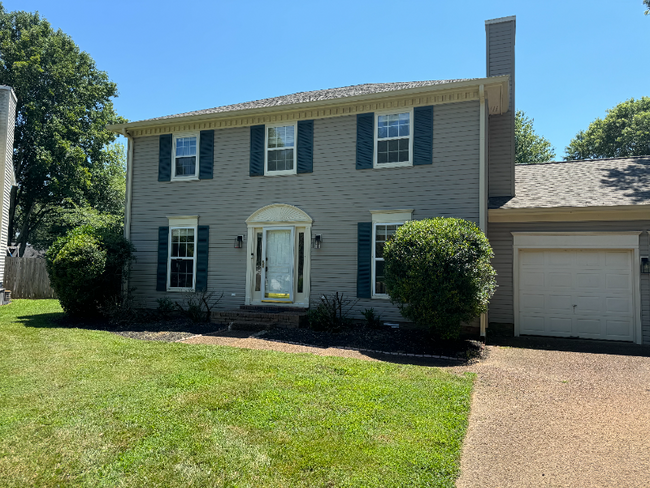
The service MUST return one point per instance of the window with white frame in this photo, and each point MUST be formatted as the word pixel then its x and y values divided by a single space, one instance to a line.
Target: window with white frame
pixel 393 139
pixel 280 149
pixel 185 160
pixel 382 233
pixel 182 258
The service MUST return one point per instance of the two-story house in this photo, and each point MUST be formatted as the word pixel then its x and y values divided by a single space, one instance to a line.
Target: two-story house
pixel 279 201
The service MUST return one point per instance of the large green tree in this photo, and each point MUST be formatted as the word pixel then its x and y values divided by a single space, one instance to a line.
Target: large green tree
pixel 625 131
pixel 530 148
pixel 647 4
pixel 61 145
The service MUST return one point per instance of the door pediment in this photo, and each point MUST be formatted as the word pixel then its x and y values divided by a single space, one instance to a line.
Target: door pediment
pixel 279 213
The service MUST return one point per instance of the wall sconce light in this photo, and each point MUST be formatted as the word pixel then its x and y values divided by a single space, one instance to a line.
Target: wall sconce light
pixel 239 242
pixel 645 264
pixel 316 241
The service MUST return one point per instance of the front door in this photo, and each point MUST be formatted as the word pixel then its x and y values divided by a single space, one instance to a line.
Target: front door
pixel 278 263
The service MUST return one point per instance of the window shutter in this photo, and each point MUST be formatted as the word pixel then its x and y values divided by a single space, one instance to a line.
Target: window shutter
pixel 165 157
pixel 257 150
pixel 202 258
pixel 423 135
pixel 365 140
pixel 206 154
pixel 163 253
pixel 364 260
pixel 305 148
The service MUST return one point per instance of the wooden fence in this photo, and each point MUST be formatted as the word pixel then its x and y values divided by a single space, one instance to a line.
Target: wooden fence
pixel 27 278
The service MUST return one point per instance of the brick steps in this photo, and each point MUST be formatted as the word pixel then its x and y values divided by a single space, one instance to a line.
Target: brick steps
pixel 250 317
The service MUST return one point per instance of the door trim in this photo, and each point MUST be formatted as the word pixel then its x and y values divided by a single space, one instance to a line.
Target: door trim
pixel 579 240
pixel 292 230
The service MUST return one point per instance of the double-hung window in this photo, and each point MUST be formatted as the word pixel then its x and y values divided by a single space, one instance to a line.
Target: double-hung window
pixel 382 233
pixel 185 156
pixel 280 150
pixel 182 258
pixel 393 139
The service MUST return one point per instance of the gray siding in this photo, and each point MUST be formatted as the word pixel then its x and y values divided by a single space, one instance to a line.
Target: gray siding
pixel 335 195
pixel 500 44
pixel 7 124
pixel 501 306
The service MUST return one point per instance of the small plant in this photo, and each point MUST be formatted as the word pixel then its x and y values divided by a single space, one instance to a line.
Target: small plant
pixel 372 321
pixel 165 307
pixel 124 309
pixel 199 305
pixel 331 313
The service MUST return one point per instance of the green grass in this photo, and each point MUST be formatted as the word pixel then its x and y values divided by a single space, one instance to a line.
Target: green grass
pixel 90 408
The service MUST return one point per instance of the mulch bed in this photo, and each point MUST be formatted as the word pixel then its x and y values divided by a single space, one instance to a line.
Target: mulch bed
pixel 402 341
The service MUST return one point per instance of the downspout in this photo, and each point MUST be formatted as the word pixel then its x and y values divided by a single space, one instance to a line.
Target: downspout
pixel 129 185
pixel 482 191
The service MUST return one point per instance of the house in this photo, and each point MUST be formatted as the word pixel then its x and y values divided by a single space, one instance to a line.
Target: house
pixel 279 201
pixel 8 102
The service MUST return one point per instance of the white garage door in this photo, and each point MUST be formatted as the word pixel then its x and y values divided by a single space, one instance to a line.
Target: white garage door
pixel 576 293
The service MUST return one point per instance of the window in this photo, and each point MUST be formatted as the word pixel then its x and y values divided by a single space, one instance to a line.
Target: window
pixel 382 233
pixel 182 262
pixel 185 161
pixel 393 139
pixel 281 150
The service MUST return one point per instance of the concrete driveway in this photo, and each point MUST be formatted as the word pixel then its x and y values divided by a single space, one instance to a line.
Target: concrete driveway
pixel 550 412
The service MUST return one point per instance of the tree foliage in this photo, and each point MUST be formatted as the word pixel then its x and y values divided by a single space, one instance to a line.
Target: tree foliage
pixel 530 148
pixel 438 272
pixel 61 146
pixel 625 131
pixel 647 4
pixel 87 267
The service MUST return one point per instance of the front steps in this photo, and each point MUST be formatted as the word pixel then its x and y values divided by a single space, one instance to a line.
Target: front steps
pixel 256 317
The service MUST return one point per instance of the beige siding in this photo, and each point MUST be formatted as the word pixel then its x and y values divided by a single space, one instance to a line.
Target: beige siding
pixel 335 195
pixel 500 45
pixel 501 307
pixel 7 124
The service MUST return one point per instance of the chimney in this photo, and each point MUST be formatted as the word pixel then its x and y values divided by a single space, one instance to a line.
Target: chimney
pixel 500 60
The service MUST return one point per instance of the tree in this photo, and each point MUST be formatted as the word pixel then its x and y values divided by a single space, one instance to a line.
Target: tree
pixel 647 4
pixel 64 104
pixel 438 272
pixel 530 148
pixel 625 131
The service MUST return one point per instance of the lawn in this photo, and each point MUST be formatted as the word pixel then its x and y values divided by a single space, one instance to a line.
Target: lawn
pixel 90 408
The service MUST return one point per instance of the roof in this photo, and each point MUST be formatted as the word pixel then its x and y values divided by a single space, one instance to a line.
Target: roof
pixel 580 183
pixel 313 96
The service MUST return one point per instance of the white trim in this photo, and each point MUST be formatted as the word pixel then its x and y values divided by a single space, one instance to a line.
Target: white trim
pixel 390 216
pixel 292 231
pixel 266 149
pixel 482 188
pixel 180 135
pixel 169 257
pixel 393 111
pixel 129 185
pixel 184 221
pixel 278 213
pixel 580 240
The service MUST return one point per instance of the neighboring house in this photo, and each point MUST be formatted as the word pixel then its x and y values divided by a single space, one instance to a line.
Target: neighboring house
pixel 7 177
pixel 279 201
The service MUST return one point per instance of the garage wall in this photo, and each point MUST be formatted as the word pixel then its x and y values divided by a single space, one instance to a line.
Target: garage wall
pixel 501 306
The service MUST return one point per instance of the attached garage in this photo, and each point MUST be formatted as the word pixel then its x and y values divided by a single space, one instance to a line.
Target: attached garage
pixel 577 285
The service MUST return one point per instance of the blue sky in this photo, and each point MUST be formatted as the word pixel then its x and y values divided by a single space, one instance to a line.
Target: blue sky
pixel 574 58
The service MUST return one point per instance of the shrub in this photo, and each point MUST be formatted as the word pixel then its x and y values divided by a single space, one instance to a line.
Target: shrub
pixel 373 321
pixel 87 267
pixel 438 272
pixel 198 305
pixel 331 313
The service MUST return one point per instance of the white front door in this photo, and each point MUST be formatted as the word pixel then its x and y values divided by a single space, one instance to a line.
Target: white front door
pixel 278 263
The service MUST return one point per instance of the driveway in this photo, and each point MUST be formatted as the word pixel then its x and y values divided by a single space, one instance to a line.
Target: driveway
pixel 549 412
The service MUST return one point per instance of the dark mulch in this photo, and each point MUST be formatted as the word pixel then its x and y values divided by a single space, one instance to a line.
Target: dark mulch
pixel 404 341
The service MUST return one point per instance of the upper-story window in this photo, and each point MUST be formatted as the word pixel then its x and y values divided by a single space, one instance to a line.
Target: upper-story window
pixel 393 139
pixel 185 156
pixel 281 150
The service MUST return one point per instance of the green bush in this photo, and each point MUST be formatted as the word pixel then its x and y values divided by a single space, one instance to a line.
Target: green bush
pixel 87 267
pixel 438 272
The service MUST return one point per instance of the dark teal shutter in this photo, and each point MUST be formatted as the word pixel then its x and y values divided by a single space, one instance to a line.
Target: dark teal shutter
pixel 305 147
pixel 206 154
pixel 257 150
pixel 165 157
pixel 163 252
pixel 423 135
pixel 364 260
pixel 202 258
pixel 365 140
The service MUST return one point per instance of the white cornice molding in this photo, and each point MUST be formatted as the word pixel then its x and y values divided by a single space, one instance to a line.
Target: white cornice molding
pixel 570 214
pixel 279 213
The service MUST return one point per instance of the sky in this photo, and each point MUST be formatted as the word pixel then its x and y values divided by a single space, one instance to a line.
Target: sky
pixel 574 58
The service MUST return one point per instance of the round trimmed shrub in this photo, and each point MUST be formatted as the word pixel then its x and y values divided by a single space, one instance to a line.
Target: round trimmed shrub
pixel 87 266
pixel 438 272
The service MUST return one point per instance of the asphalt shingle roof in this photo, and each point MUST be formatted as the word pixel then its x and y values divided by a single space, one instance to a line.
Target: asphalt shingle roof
pixel 313 96
pixel 583 183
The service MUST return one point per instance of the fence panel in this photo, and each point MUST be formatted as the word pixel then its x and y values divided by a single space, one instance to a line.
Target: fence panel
pixel 27 278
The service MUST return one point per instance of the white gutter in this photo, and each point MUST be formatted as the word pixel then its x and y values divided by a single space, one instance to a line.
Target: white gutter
pixel 129 185
pixel 482 190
